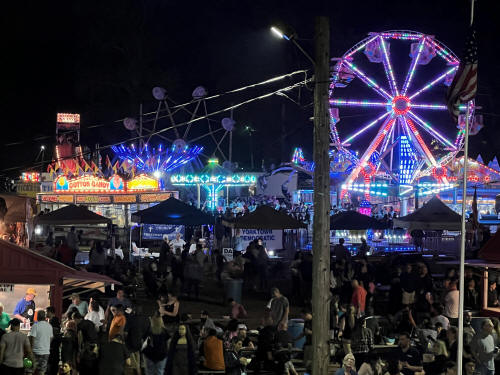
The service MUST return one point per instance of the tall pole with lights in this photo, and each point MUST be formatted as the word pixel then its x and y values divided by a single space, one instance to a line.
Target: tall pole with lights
pixel 321 222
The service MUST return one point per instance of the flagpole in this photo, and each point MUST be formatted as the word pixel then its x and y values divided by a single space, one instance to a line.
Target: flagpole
pixel 463 232
pixel 462 248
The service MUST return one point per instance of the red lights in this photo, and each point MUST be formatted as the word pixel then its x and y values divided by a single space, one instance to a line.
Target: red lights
pixel 401 105
pixel 439 173
pixel 30 177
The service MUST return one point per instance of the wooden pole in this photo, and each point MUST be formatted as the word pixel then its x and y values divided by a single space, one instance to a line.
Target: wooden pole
pixel 321 223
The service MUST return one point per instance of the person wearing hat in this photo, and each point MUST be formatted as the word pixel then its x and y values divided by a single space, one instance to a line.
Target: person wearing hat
pixel 25 308
pixel 206 323
pixel 82 306
pixel 14 347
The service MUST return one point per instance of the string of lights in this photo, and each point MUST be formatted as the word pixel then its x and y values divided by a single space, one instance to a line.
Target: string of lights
pixel 180 106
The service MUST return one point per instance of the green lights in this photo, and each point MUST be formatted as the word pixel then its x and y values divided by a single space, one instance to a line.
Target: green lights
pixel 205 179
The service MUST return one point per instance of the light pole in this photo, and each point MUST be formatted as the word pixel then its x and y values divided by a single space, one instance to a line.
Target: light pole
pixel 250 131
pixel 292 38
pixel 321 222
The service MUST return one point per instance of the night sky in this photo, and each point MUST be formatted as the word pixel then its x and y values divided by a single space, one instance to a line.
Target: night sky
pixel 102 58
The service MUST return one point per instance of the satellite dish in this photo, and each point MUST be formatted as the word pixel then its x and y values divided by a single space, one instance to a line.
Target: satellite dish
pixel 130 123
pixel 159 93
pixel 228 124
pixel 227 165
pixel 199 93
pixel 179 144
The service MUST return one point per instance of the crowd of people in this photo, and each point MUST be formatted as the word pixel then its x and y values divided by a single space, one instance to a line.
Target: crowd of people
pixel 116 337
pixel 388 318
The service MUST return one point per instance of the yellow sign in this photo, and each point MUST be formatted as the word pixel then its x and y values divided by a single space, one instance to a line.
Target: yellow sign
pixel 124 199
pixel 147 198
pixel 68 118
pixel 93 199
pixel 142 183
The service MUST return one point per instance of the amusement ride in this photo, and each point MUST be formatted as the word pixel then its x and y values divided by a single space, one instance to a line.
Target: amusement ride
pixel 397 80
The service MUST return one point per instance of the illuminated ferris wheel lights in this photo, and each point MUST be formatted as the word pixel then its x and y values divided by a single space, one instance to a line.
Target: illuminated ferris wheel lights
pixel 401 105
pixel 442 52
pixel 413 66
pixel 368 81
pixel 388 69
pixel 433 131
pixel 433 82
pixel 361 46
pixel 359 103
pixel 349 139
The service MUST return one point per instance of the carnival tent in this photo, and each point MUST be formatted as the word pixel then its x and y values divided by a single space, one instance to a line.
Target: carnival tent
pixel 353 220
pixel 491 249
pixel 20 266
pixel 71 215
pixel 265 217
pixel 174 212
pixel 434 215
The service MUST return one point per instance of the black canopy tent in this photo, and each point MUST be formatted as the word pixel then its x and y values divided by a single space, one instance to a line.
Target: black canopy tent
pixel 434 215
pixel 71 215
pixel 174 212
pixel 265 217
pixel 353 220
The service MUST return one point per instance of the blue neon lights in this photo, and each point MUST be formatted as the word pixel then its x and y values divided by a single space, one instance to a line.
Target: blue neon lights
pixel 147 160
pixel 408 161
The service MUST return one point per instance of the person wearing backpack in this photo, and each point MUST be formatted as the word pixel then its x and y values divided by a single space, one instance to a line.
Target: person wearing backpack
pixel 155 347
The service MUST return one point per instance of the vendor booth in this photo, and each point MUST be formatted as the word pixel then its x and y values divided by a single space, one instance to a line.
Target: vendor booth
pixel 434 218
pixel 90 225
pixel 21 268
pixel 266 223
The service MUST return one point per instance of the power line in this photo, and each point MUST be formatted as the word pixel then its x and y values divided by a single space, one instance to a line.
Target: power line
pixel 178 107
pixel 227 109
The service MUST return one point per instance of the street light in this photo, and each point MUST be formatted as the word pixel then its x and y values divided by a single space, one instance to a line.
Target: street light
pixel 292 38
pixel 279 33
pixel 321 221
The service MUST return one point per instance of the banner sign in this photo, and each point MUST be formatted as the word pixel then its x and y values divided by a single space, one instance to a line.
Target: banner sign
pixel 227 253
pixel 7 288
pixel 68 121
pixel 272 239
pixel 147 198
pixel 89 199
pixel 157 231
pixel 143 182
pixel 124 198
pixel 57 198
pixel 110 198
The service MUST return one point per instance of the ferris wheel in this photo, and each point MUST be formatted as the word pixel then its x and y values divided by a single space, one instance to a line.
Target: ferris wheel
pixel 182 127
pixel 388 111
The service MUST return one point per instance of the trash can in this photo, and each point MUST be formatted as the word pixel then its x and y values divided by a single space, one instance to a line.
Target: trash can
pixel 295 328
pixel 232 289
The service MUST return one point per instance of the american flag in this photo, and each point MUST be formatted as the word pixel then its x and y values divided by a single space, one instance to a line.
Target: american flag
pixel 464 85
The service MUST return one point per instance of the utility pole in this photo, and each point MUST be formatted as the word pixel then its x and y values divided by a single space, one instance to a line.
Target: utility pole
pixel 321 222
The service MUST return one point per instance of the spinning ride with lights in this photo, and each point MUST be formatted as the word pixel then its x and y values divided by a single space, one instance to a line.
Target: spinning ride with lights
pixel 387 101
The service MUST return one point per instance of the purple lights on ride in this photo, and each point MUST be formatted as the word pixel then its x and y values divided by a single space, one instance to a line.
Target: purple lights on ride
pixel 153 160
pixel 400 104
